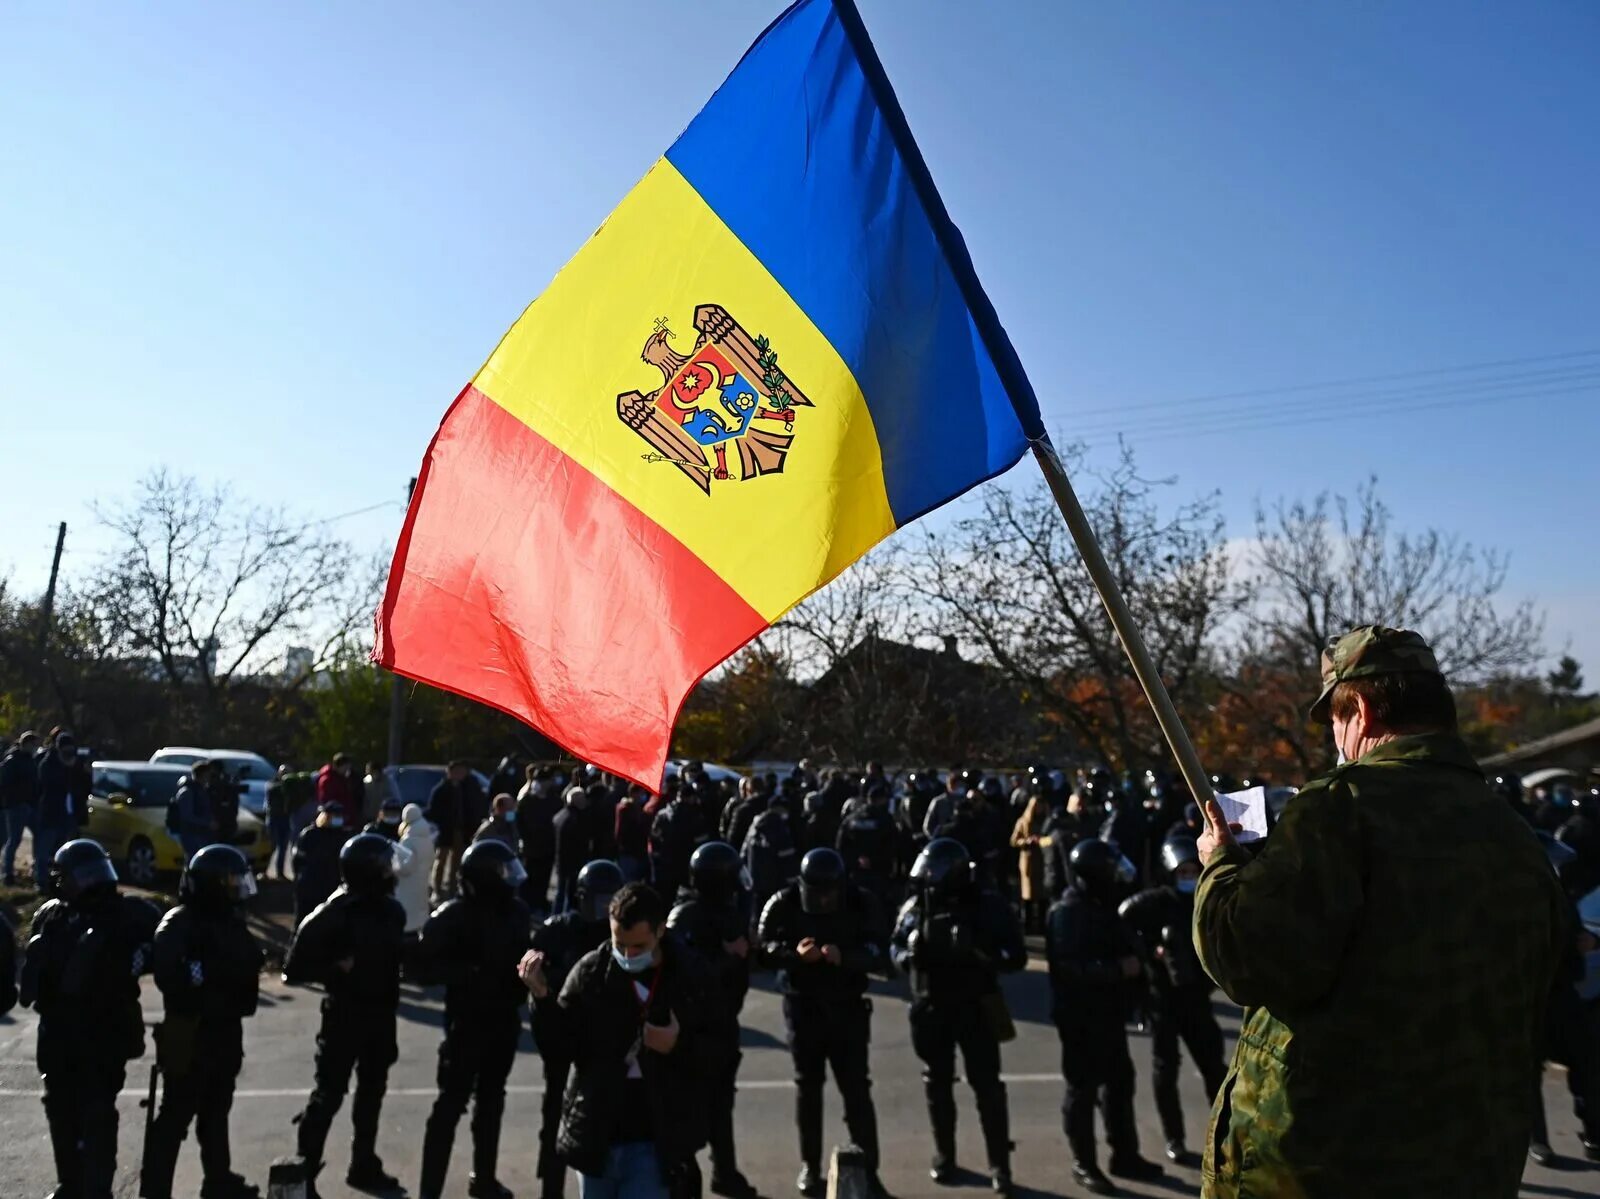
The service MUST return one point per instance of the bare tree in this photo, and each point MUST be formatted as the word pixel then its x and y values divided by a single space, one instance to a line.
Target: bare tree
pixel 1324 566
pixel 1010 584
pixel 208 586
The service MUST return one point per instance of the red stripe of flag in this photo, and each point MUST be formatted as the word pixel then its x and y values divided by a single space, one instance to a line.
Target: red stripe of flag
pixel 527 584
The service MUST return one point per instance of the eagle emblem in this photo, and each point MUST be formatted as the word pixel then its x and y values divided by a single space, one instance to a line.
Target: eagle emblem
pixel 727 394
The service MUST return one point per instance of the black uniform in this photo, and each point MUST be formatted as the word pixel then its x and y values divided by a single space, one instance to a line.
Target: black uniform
pixel 770 854
pixel 8 966
pixel 1180 1003
pixel 316 866
pixel 1085 944
pixel 954 940
pixel 81 973
pixel 708 925
pixel 536 812
pixel 473 946
pixel 826 1013
pixel 574 842
pixel 357 1034
pixel 869 843
pixel 208 967
pixel 563 940
pixel 680 828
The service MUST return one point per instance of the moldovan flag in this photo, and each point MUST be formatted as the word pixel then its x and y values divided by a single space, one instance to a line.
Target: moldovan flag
pixel 772 355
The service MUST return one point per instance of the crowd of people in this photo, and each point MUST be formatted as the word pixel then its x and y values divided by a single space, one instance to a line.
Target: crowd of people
pixel 627 926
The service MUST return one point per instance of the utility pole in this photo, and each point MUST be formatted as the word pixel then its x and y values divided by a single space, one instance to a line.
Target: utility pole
pixel 50 590
pixel 397 687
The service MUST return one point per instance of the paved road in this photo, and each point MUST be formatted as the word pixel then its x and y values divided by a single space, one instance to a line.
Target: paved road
pixel 277 1072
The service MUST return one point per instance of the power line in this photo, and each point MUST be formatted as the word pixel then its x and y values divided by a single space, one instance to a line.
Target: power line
pixel 1569 376
pixel 1178 429
pixel 1463 368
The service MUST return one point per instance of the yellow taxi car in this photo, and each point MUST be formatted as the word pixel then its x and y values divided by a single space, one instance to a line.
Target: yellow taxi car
pixel 128 816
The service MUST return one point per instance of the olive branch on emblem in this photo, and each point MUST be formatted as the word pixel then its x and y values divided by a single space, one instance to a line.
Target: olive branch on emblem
pixel 772 378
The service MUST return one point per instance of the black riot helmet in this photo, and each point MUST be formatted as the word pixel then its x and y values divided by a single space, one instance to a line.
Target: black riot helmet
pixel 597 882
pixel 491 871
pixel 367 864
pixel 1099 870
pixel 822 882
pixel 714 871
pixel 1179 851
pixel 81 873
pixel 944 866
pixel 216 878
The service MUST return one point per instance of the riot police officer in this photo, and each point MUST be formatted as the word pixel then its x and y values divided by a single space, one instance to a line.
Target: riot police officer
pixel 316 859
pixel 1180 1007
pixel 769 851
pixel 953 940
pixel 679 829
pixel 1095 978
pixel 825 935
pixel 87 948
pixel 713 915
pixel 208 967
pixel 474 945
pixel 561 941
pixel 352 944
pixel 869 841
pixel 8 966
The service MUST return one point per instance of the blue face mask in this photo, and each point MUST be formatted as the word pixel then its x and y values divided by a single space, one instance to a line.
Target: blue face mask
pixel 633 965
pixel 1186 886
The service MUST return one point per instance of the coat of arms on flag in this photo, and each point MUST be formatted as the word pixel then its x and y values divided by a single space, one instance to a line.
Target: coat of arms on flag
pixel 715 397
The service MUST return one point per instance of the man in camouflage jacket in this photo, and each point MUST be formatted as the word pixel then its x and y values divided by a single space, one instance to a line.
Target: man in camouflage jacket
pixel 1393 944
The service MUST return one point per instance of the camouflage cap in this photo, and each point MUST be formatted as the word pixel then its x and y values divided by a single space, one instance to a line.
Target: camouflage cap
pixel 1367 651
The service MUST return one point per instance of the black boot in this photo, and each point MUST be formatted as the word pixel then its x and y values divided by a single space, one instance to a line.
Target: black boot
pixel 1123 1133
pixel 1179 1153
pixel 811 1183
pixel 732 1186
pixel 1088 1177
pixel 487 1187
pixel 367 1174
pixel 228 1186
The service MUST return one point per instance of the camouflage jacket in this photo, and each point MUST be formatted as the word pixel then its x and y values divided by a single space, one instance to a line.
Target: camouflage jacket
pixel 1393 944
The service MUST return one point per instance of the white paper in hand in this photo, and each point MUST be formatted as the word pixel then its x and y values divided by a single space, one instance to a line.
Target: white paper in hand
pixel 1247 809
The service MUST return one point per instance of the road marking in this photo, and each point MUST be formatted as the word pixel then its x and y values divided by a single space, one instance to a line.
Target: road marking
pixel 754 1084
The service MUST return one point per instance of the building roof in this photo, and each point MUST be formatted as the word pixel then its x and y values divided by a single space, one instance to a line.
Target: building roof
pixel 1576 735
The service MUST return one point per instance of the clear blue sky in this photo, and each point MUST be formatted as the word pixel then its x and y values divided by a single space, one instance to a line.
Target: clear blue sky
pixel 271 242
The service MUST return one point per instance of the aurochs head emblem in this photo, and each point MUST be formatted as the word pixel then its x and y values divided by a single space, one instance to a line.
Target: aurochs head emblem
pixel 724 411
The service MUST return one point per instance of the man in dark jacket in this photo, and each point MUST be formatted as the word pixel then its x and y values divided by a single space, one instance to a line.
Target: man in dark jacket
pixel 680 828
pixel 19 795
pixel 632 826
pixel 197 819
pixel 640 1020
pixel 62 800
pixel 88 947
pixel 1095 979
pixel 351 944
pixel 453 811
pixel 712 915
pixel 1180 992
pixel 473 946
pixel 953 940
pixel 316 860
pixel 825 935
pixel 208 968
pixel 1393 942
pixel 769 852
pixel 574 842
pixel 537 805
pixel 558 945
pixel 869 842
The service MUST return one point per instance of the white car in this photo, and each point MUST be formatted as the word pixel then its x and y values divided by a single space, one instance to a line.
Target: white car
pixel 250 770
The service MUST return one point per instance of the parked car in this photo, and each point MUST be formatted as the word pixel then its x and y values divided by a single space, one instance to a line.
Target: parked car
pixel 414 784
pixel 716 772
pixel 128 816
pixel 250 770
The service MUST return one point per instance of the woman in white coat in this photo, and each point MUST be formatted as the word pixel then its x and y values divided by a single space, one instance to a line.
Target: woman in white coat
pixel 418 837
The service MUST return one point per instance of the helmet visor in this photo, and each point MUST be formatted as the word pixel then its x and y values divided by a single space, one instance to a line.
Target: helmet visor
pixel 244 886
pixel 514 873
